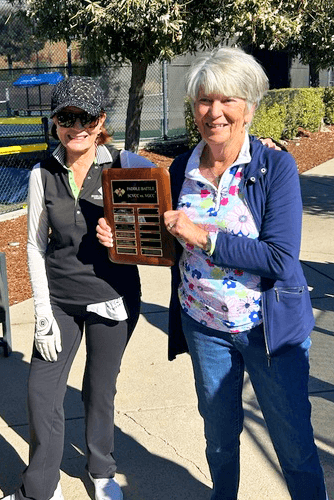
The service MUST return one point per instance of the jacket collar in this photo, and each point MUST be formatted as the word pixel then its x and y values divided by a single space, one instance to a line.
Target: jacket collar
pixel 192 168
pixel 256 168
pixel 102 155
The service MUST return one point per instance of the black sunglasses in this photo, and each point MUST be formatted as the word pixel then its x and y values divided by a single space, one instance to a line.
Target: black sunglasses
pixel 67 119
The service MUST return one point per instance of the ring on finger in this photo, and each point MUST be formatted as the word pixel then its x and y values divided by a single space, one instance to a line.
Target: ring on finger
pixel 170 226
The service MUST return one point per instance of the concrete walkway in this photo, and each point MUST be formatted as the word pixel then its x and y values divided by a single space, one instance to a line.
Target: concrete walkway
pixel 159 434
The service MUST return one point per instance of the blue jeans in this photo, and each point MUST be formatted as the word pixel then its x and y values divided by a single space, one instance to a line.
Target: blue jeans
pixel 281 388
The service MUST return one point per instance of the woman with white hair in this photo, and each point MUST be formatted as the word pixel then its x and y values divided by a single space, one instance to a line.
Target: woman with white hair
pixel 239 295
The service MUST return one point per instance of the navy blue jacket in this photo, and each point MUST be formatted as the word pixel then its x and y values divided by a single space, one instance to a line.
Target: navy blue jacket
pixel 272 193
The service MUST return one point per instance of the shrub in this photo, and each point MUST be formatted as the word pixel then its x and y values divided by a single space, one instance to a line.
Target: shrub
pixel 268 121
pixel 329 105
pixel 192 130
pixel 303 108
pixel 306 108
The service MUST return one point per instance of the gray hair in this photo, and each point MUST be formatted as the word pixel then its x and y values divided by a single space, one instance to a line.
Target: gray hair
pixel 228 71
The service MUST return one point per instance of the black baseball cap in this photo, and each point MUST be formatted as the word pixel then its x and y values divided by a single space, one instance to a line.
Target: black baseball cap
pixel 81 91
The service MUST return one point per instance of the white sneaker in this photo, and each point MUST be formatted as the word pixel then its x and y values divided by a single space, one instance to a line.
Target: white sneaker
pixel 56 496
pixel 106 489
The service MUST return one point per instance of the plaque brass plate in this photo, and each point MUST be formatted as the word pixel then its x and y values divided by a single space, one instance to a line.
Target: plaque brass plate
pixel 135 200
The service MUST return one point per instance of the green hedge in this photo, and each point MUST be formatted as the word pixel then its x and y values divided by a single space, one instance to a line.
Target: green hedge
pixel 281 112
pixel 295 108
pixel 192 131
pixel 329 105
pixel 269 120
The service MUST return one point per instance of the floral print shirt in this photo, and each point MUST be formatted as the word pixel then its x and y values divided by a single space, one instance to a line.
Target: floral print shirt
pixel 228 300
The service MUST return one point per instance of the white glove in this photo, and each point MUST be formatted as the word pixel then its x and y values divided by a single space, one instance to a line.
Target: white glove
pixel 47 337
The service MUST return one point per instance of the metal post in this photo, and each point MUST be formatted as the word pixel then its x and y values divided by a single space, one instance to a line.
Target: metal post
pixel 164 100
pixel 40 100
pixel 69 60
pixel 28 103
pixel 6 340
pixel 9 111
pixel 45 124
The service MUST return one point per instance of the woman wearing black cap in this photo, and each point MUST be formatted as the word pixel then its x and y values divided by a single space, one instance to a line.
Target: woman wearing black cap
pixel 75 286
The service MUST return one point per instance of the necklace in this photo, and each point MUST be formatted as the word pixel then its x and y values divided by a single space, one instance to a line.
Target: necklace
pixel 217 179
pixel 208 173
pixel 207 169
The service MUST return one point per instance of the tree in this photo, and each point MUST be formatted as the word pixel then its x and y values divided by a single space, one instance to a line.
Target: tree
pixel 144 31
pixel 17 39
pixel 266 31
pixel 136 31
pixel 303 28
pixel 267 24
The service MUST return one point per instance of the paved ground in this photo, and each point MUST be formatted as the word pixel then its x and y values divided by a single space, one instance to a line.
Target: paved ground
pixel 159 434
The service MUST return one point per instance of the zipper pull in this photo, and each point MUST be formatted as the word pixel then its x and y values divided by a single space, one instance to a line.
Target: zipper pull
pixel 277 294
pixel 268 360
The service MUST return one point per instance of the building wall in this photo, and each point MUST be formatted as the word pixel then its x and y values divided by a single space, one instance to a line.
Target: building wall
pixel 300 75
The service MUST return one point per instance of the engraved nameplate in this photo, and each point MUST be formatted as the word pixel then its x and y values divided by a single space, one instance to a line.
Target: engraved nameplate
pixel 135 200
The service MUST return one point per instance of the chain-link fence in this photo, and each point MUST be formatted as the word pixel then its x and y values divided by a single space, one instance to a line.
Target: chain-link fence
pixel 14 179
pixel 23 94
pixel 162 116
pixel 28 71
pixel 29 99
pixel 23 142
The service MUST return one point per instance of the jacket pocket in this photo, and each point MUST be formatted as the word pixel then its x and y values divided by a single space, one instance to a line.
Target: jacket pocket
pixel 287 293
pixel 289 317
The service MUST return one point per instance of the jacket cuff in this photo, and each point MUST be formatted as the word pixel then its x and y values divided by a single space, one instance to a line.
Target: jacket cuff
pixel 213 239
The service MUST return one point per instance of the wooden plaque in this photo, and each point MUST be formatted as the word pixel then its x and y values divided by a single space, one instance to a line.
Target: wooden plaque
pixel 135 200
